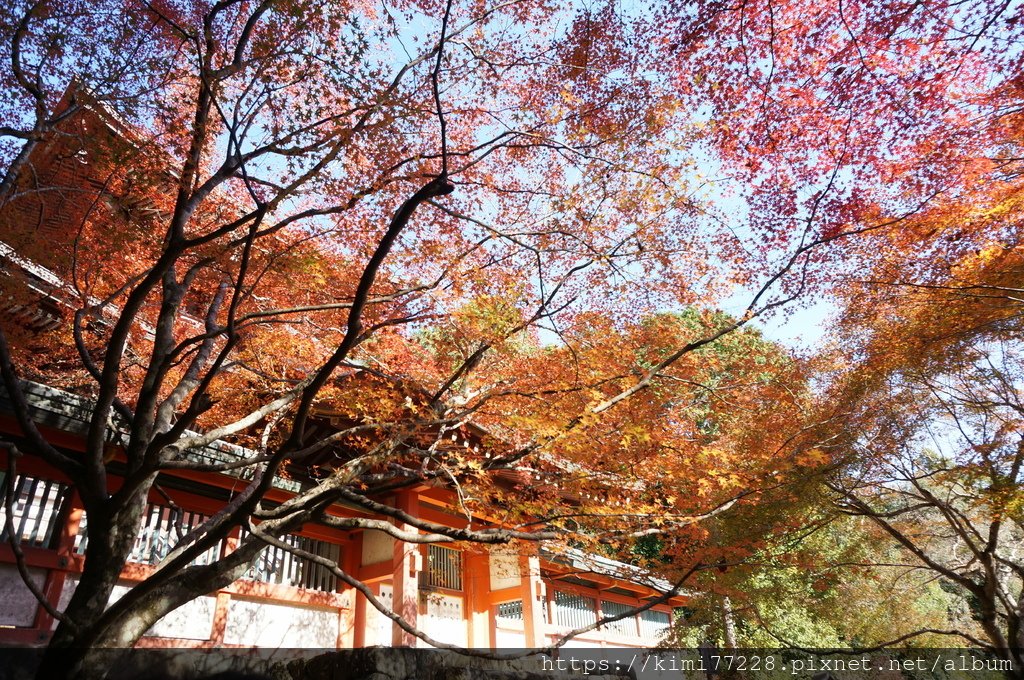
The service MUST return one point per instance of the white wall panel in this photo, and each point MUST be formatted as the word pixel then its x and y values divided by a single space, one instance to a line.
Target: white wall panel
pixel 504 568
pixel 377 547
pixel 445 620
pixel 191 621
pixel 262 624
pixel 17 603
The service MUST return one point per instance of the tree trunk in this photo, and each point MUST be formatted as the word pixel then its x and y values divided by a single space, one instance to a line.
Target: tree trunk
pixel 111 540
pixel 728 624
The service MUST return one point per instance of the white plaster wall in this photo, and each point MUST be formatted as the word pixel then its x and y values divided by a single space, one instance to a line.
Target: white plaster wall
pixel 191 621
pixel 377 547
pixel 70 583
pixel 505 572
pixel 262 624
pixel 378 626
pixel 579 643
pixel 445 620
pixel 509 639
pixel 17 603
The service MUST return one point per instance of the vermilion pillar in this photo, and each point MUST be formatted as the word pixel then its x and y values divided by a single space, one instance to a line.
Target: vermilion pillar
pixel 478 606
pixel 407 562
pixel 534 600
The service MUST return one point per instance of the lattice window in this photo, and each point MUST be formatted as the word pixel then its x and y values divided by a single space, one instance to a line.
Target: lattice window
pixel 653 624
pixel 277 565
pixel 37 506
pixel 511 611
pixel 626 626
pixel 574 611
pixel 444 568
pixel 160 530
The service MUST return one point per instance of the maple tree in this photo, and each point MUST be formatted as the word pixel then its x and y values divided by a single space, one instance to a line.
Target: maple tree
pixel 424 220
pixel 928 390
pixel 932 458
